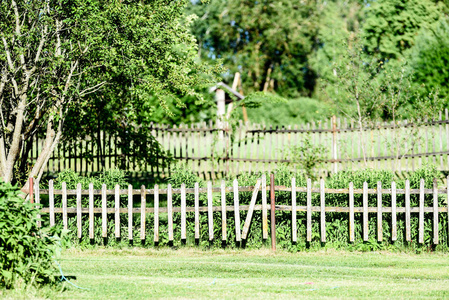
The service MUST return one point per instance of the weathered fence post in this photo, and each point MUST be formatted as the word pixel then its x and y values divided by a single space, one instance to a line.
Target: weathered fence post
pixel 334 144
pixel 273 211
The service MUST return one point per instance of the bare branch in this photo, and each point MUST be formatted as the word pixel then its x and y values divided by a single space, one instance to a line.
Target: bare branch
pixel 92 89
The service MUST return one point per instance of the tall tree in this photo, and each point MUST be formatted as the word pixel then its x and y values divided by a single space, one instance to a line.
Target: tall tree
pixel 59 56
pixel 266 41
pixel 391 26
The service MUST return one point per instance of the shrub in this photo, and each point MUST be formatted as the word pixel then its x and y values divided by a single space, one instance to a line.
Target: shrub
pixel 26 251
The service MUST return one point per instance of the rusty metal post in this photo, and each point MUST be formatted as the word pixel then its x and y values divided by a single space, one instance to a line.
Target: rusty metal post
pixel 273 212
pixel 31 183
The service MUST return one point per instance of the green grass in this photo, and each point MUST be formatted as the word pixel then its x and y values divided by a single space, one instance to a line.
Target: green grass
pixel 192 273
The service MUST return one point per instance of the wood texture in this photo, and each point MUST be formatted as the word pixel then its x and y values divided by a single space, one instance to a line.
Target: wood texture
pixel 130 212
pixel 143 206
pixel 197 212
pixel 365 212
pixel 183 212
pixel 249 215
pixel 309 210
pixel 210 215
pixel 170 213
pixel 264 208
pixel 421 213
pixel 78 211
pixel 51 200
pixel 379 212
pixel 91 211
pixel 117 211
pixel 351 212
pixel 294 226
pixel 104 216
pixel 408 235
pixel 236 211
pixel 64 205
pixel 156 213
pixel 394 231
pixel 322 212
pixel 223 211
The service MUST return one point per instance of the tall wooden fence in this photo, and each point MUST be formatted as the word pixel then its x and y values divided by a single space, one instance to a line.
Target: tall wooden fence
pixel 213 152
pixel 242 232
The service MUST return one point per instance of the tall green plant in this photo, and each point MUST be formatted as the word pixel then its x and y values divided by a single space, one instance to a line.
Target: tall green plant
pixel 27 253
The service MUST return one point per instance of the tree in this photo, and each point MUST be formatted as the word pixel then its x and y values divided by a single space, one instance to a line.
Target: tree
pixel 266 41
pixel 391 26
pixel 428 60
pixel 59 57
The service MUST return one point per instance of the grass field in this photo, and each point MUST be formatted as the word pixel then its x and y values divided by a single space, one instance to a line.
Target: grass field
pixel 192 273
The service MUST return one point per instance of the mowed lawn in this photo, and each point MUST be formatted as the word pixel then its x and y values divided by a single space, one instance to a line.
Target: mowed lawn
pixel 193 273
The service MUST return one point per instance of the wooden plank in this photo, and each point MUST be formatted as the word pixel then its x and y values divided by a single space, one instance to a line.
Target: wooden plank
pixel 446 114
pixel 130 212
pixel 223 211
pixel 183 212
pixel 91 211
pixel 408 235
pixel 421 213
pixel 51 202
pixel 156 213
pixel 210 216
pixel 249 215
pixel 64 205
pixel 440 118
pixel 447 196
pixel 379 212
pixel 365 211
pixel 143 205
pixel 323 211
pixel 78 210
pixel 104 216
pixel 170 213
pixel 117 211
pixel 309 210
pixel 37 199
pixel 351 212
pixel 435 212
pixel 294 227
pixel 236 211
pixel 264 208
pixel 197 212
pixel 393 212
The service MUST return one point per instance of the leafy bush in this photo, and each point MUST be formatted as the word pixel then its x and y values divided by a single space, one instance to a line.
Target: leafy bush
pixel 26 251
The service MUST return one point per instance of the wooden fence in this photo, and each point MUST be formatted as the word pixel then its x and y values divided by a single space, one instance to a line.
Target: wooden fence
pixel 213 152
pixel 236 208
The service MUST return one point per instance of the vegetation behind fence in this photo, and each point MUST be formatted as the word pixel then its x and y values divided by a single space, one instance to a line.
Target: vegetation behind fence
pixel 213 152
pixel 388 214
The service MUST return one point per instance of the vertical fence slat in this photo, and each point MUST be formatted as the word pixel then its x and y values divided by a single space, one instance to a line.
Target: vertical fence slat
pixel 309 210
pixel 197 211
pixel 294 229
pixel 223 211
pixel 435 212
pixel 323 211
pixel 91 211
pixel 379 212
pixel 421 212
pixel 236 211
pixel 351 212
pixel 408 235
pixel 170 212
pixel 264 208
pixel 64 205
pixel 447 197
pixel 130 212
pixel 51 200
pixel 37 200
pixel 249 215
pixel 143 206
pixel 393 212
pixel 78 210
pixel 183 212
pixel 210 216
pixel 104 216
pixel 117 211
pixel 156 213
pixel 365 211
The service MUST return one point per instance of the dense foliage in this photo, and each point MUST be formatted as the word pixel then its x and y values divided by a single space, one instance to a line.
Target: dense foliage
pixel 27 253
pixel 337 224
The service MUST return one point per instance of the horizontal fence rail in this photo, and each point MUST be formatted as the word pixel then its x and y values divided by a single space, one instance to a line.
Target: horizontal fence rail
pixel 216 150
pixel 242 234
